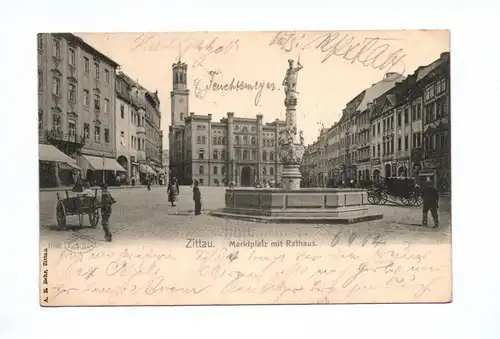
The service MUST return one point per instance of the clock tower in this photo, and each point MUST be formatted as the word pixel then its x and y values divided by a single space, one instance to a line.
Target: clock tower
pixel 179 95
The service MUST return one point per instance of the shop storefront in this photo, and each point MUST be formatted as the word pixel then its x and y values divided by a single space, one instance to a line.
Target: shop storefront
pixel 97 170
pixel 56 168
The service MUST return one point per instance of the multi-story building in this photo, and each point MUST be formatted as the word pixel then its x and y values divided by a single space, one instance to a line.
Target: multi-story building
pixel 166 162
pixel 76 106
pixel 437 123
pixel 394 128
pixel 243 150
pixel 130 131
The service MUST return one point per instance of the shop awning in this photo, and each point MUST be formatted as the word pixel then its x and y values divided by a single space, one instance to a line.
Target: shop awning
pixel 161 171
pixel 100 163
pixel 51 153
pixel 69 166
pixel 146 169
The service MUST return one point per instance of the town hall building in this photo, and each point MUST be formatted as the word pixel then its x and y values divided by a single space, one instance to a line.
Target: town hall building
pixel 243 150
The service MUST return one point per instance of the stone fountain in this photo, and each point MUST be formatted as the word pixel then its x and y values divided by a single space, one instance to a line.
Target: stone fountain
pixel 292 203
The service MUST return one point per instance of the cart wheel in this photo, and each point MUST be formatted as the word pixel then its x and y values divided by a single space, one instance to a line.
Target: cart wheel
pixel 383 198
pixel 61 216
pixel 94 218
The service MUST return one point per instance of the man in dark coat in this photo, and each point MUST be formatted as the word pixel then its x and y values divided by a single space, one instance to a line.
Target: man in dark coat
pixel 197 198
pixel 106 201
pixel 431 202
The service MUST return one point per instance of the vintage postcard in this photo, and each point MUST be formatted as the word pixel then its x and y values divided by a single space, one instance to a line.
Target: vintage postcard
pixel 212 168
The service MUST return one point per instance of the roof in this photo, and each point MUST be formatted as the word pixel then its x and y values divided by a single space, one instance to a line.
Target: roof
pixel 93 50
pixel 422 72
pixel 378 89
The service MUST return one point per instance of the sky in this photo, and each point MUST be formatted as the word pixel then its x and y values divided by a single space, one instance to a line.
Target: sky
pixel 338 65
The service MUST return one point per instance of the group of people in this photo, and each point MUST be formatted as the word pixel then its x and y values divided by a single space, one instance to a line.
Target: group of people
pixel 173 193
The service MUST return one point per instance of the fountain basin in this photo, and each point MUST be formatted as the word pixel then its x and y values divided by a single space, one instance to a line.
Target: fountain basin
pixel 307 205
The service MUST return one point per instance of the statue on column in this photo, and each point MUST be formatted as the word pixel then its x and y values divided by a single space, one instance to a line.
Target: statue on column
pixel 290 80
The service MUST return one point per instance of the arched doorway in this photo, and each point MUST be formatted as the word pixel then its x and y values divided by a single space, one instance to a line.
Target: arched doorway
pixel 376 175
pixel 402 171
pixel 387 170
pixel 123 161
pixel 247 176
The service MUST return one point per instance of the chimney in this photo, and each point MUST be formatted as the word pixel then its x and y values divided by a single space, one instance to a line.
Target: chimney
pixel 209 116
pixel 191 114
pixel 230 114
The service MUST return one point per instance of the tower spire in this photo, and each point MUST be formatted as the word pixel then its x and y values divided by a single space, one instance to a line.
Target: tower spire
pixel 180 46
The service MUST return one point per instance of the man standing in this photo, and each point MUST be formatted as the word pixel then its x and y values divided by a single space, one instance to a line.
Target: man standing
pixel 196 198
pixel 431 202
pixel 106 201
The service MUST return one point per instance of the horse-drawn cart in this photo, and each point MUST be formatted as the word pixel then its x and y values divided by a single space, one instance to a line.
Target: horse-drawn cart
pixel 401 191
pixel 78 205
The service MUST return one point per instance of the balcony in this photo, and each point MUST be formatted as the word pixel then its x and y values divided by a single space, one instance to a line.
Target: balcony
pixel 140 130
pixel 57 136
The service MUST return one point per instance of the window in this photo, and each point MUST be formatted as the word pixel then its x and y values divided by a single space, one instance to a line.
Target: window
pixel 40 79
pixel 86 131
pixel 203 140
pixel 440 86
pixel 271 156
pixel 97 102
pixel 419 111
pixel 216 170
pixel 97 71
pixel 72 57
pixel 86 65
pixel 245 154
pixel 245 141
pixel 378 127
pixel 373 150
pixel 406 116
pixel 72 129
pixel 399 120
pixel 219 141
pixel 384 148
pixel 384 128
pixel 271 170
pixel 406 143
pixel 106 76
pixel 373 130
pixel 222 170
pixel 215 154
pixel 414 113
pixel 253 141
pixel 237 154
pixel 222 154
pixel 97 134
pixel 392 121
pixel 399 145
pixel 40 119
pixel 56 48
pixel 86 98
pixel 198 140
pixel 39 41
pixel 264 171
pixel 56 86
pixel 201 154
pixel 56 122
pixel 237 140
pixel 72 92
pixel 378 150
pixel 106 106
pixel 201 171
pixel 182 116
pixel 264 156
pixel 429 92
pixel 429 113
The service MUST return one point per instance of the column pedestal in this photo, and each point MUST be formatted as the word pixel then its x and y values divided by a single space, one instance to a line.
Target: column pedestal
pixel 290 177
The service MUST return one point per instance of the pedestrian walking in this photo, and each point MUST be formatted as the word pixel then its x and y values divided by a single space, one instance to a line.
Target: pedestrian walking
pixel 177 185
pixel 106 202
pixel 196 198
pixel 172 192
pixel 148 184
pixel 431 202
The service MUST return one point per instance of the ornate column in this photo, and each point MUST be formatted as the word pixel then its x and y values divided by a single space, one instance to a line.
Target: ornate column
pixel 291 146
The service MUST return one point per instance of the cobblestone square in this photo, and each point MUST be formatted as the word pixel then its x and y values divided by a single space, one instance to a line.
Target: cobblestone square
pixel 141 214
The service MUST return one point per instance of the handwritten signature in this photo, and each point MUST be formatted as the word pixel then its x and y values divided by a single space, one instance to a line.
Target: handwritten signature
pixel 147 42
pixel 234 85
pixel 372 52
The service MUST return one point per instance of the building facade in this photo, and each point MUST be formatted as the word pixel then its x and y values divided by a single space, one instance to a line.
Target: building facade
pixel 398 127
pixel 214 153
pixel 76 106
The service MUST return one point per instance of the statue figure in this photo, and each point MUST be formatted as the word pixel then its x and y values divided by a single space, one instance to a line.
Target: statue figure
pixel 290 81
pixel 301 135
